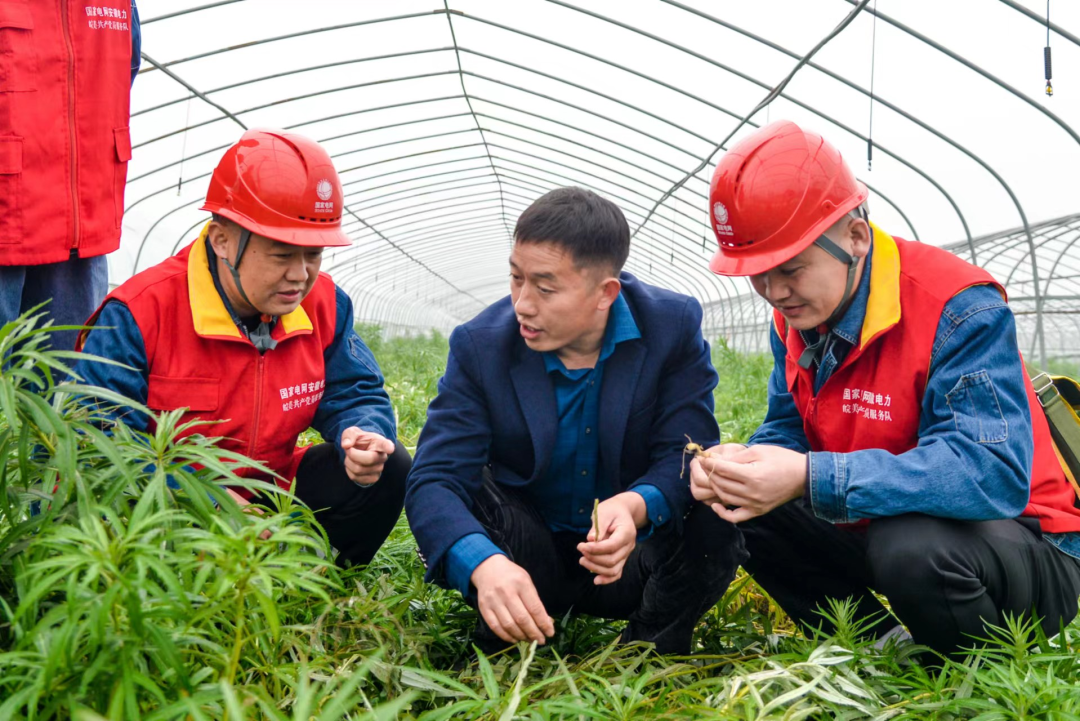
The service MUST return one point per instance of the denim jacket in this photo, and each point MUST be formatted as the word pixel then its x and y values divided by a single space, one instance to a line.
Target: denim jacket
pixel 948 474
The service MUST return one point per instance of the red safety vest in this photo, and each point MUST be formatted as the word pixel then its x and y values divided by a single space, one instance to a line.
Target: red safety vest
pixel 198 359
pixel 874 399
pixel 65 79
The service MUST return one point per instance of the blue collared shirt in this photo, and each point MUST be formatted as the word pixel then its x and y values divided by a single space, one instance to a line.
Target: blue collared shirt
pixel 953 472
pixel 575 476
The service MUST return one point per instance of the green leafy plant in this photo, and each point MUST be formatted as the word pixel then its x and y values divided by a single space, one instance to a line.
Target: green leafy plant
pixel 130 581
pixel 132 587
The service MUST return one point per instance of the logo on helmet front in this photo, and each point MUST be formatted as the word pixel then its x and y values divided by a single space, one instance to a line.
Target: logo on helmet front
pixel 720 213
pixel 324 190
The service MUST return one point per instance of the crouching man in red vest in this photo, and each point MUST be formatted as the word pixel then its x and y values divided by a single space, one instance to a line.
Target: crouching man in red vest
pixel 904 450
pixel 241 327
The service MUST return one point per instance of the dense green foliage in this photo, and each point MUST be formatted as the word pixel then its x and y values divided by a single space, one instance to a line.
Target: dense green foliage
pixel 122 598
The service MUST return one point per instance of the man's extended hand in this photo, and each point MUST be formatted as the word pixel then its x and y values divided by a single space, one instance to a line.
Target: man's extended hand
pixel 756 480
pixel 365 454
pixel 700 484
pixel 509 602
pixel 620 517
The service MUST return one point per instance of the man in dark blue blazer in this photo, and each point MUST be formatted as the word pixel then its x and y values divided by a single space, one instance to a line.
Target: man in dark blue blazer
pixel 584 384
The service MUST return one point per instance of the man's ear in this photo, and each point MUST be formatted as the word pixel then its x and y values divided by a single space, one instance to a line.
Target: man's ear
pixel 219 237
pixel 609 291
pixel 861 235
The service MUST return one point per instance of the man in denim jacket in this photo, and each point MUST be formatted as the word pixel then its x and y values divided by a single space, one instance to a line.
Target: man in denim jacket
pixel 903 450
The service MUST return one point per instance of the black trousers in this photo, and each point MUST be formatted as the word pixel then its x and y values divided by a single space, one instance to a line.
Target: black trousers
pixel 357 519
pixel 944 579
pixel 669 581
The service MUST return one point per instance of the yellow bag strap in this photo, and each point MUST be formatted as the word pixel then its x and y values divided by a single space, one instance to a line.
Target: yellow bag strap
pixel 1063 421
pixel 1065 467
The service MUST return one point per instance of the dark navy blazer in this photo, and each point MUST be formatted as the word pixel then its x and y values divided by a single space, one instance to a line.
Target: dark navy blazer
pixel 496 406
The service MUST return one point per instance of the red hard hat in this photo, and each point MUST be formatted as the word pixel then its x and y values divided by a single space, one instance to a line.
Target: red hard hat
pixel 774 194
pixel 282 186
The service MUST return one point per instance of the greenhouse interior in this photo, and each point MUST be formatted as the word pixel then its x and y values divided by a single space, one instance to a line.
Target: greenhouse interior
pixel 157 563
pixel 446 122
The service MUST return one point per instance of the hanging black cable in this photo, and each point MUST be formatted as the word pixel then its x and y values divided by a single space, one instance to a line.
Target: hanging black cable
pixel 183 147
pixel 1046 53
pixel 772 95
pixel 870 130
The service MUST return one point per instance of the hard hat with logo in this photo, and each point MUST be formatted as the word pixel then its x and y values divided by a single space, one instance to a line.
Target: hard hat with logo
pixel 774 194
pixel 282 186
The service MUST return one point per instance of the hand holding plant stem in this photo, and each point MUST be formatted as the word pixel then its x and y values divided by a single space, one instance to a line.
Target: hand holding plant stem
pixel 701 478
pixel 749 482
pixel 613 535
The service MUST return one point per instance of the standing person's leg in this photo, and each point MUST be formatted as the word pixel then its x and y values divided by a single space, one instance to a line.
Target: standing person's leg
pixel 670 581
pixel 946 579
pixel 12 278
pixel 357 518
pixel 802 561
pixel 75 288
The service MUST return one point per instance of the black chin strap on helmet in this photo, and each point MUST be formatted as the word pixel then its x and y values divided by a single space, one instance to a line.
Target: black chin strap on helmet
pixel 812 352
pixel 245 236
pixel 260 337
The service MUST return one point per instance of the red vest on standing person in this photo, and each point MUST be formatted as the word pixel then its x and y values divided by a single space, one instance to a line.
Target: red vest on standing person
pixel 874 398
pixel 65 83
pixel 198 359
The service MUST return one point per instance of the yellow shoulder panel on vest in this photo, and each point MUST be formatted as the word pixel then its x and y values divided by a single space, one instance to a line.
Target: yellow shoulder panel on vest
pixel 883 305
pixel 298 320
pixel 208 312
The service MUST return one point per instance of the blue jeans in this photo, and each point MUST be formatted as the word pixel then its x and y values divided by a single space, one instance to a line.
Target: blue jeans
pixel 75 288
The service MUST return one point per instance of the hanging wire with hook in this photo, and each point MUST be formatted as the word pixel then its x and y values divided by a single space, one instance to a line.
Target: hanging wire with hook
pixel 873 58
pixel 183 145
pixel 1046 53
pixel 704 238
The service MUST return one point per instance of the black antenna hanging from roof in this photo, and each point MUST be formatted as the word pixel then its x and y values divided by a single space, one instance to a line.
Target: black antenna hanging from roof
pixel 1046 54
pixel 183 146
pixel 870 130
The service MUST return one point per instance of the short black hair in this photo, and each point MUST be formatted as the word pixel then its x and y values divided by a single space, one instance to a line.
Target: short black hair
pixel 590 228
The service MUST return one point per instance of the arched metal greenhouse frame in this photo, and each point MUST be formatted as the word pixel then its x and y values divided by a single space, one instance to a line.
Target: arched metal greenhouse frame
pixel 446 119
